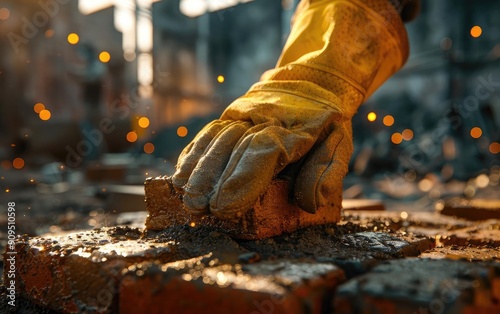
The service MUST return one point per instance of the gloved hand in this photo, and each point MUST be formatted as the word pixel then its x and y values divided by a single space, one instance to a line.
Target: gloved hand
pixel 337 54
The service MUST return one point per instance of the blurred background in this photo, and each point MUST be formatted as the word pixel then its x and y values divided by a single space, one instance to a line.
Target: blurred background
pixel 97 95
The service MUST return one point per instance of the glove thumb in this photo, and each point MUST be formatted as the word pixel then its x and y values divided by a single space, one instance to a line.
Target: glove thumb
pixel 319 182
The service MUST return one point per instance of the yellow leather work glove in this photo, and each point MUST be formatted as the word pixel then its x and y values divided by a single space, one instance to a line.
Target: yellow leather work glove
pixel 337 54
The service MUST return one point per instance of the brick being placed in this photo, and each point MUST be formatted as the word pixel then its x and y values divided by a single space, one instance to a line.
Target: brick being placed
pixel 271 215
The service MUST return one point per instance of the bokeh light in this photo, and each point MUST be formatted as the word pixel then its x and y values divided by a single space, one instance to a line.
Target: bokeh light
pixel 4 13
pixel 18 163
pixel 104 57
pixel 73 38
pixel 476 31
pixel 372 116
pixel 38 107
pixel 396 138
pixel 476 132
pixel 495 148
pixel 49 33
pixel 182 131
pixel 388 120
pixel 220 79
pixel 143 122
pixel 132 137
pixel 149 148
pixel 407 135
pixel 45 115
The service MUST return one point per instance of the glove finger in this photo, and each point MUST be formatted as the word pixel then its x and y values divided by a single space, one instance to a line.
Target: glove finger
pixel 319 182
pixel 210 167
pixel 194 151
pixel 263 151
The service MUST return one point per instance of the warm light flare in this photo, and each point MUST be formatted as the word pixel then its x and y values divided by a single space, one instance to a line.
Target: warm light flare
pixel 45 115
pixel 407 135
pixel 388 120
pixel 182 131
pixel 132 137
pixel 143 122
pixel 4 13
pixel 149 148
pixel 396 138
pixel 220 79
pixel 476 31
pixel 38 107
pixel 495 148
pixel 104 57
pixel 476 132
pixel 73 38
pixel 18 163
pixel 372 116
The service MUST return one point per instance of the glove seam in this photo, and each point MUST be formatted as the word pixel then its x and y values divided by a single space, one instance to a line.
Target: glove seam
pixel 333 72
pixel 333 103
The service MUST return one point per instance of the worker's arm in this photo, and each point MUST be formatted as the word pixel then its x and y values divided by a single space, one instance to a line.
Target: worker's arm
pixel 338 53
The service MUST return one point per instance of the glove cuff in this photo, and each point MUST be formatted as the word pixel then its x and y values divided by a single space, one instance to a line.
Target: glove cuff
pixel 348 47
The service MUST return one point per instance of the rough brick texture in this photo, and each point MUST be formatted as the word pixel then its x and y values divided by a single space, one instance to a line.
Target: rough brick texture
pixel 272 214
pixel 422 286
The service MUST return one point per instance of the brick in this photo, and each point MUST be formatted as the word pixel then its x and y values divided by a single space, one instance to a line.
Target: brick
pixel 81 271
pixel 422 286
pixel 193 286
pixel 347 245
pixel 125 198
pixel 113 269
pixel 486 233
pixel 272 214
pixel 106 173
pixel 471 209
pixel 463 253
pixel 362 204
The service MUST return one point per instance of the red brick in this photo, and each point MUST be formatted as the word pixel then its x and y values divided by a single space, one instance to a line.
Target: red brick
pixel 473 209
pixel 99 270
pixel 192 286
pixel 422 286
pixel 272 214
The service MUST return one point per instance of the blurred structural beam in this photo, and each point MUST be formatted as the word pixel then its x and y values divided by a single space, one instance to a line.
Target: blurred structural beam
pixel 194 8
pixel 132 18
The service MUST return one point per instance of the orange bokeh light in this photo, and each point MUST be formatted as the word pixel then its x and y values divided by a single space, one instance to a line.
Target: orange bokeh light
pixel 45 115
pixel 38 107
pixel 396 138
pixel 495 148
pixel 104 57
pixel 143 122
pixel 407 135
pixel 18 163
pixel 388 120
pixel 476 31
pixel 476 132
pixel 149 148
pixel 132 136
pixel 182 131
pixel 73 38
pixel 4 13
